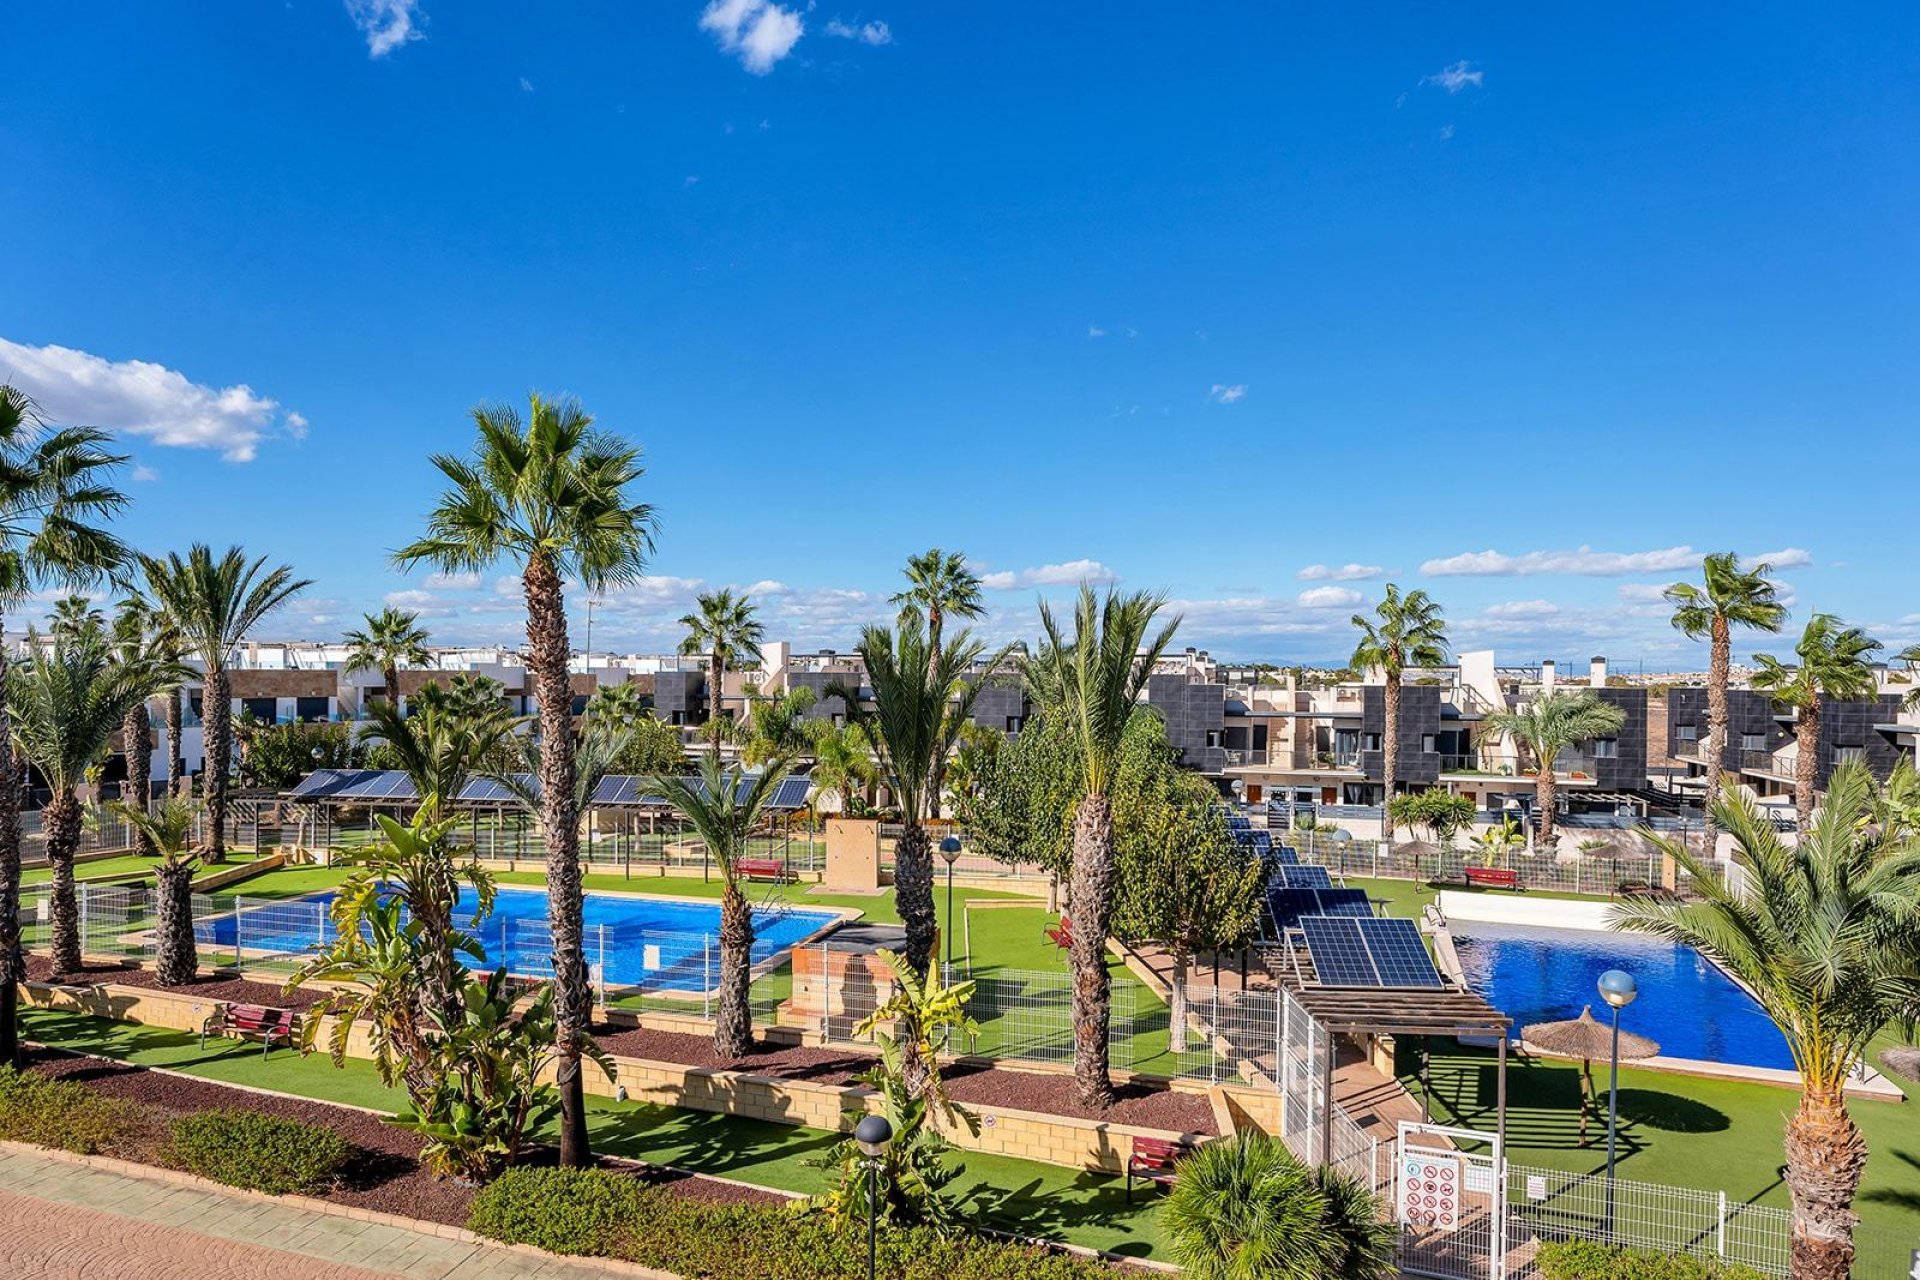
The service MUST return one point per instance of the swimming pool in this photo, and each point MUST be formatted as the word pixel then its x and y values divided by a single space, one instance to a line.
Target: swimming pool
pixel 644 941
pixel 1686 1003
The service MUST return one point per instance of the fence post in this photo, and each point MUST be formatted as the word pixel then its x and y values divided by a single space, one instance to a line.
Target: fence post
pixel 1720 1228
pixel 1213 1030
pixel 706 975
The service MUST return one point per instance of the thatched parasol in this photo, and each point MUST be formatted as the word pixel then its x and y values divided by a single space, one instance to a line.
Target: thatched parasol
pixel 1584 1038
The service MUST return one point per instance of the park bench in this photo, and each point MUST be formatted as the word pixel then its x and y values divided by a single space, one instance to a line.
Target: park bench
pixel 763 869
pixel 1153 1160
pixel 251 1021
pixel 1061 935
pixel 1492 877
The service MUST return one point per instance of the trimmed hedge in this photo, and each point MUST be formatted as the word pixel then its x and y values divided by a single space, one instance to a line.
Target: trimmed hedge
pixel 1589 1260
pixel 259 1152
pixel 67 1115
pixel 594 1211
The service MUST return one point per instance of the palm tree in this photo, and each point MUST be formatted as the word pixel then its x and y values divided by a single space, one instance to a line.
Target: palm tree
pixel 54 484
pixel 214 603
pixel 843 764
pixel 67 699
pixel 1548 725
pixel 920 701
pixel 724 806
pixel 621 704
pixel 777 727
pixel 441 748
pixel 722 627
pixel 167 830
pixel 1910 656
pixel 1404 631
pixel 74 614
pixel 138 638
pixel 1834 663
pixel 1728 597
pixel 392 638
pixel 940 584
pixel 1091 680
pixel 551 495
pixel 1826 935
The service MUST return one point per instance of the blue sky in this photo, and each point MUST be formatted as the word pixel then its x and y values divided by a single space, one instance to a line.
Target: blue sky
pixel 1525 306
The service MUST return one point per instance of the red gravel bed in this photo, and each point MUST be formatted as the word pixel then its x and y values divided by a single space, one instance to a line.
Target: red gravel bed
pixel 208 986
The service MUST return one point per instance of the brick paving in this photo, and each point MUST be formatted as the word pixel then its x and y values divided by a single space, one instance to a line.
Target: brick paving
pixel 65 1221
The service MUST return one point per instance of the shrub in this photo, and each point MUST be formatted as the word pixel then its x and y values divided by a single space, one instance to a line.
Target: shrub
pixel 1590 1260
pixel 1247 1210
pixel 560 1210
pixel 258 1152
pixel 67 1115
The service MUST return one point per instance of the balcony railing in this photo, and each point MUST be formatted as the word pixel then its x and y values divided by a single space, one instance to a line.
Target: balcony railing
pixel 1768 762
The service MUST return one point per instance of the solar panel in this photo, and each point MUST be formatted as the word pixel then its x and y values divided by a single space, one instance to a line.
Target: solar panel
pixel 791 793
pixel 1339 953
pixel 1287 857
pixel 1289 905
pixel 317 783
pixel 1398 954
pixel 1304 877
pixel 607 790
pixel 1262 841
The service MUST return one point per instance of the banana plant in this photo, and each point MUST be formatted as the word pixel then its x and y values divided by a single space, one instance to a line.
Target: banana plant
pixel 925 1015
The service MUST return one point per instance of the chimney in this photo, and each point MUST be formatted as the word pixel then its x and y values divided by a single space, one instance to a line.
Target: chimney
pixel 1597 677
pixel 1546 678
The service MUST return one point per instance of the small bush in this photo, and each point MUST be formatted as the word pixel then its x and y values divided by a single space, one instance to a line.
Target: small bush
pixel 258 1152
pixel 67 1115
pixel 560 1210
pixel 1589 1260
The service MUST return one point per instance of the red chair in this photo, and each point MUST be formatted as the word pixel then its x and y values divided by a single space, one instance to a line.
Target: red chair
pixel 1061 935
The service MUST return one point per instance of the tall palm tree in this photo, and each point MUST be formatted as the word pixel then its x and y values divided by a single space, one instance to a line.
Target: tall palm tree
pixel 1548 725
pixel 940 585
pixel 55 486
pixel 777 728
pixel 440 747
pixel 724 628
pixel 167 830
pixel 843 764
pixel 919 703
pixel 1091 680
pixel 1405 630
pixel 392 638
pixel 67 699
pixel 138 638
pixel 1727 597
pixel 550 494
pixel 1835 663
pixel 724 807
pixel 213 603
pixel 73 614
pixel 1827 937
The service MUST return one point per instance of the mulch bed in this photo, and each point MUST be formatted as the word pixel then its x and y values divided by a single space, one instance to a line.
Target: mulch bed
pixel 211 986
pixel 1903 1062
pixel 384 1176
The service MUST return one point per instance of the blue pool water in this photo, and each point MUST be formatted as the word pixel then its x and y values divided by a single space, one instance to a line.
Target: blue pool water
pixel 1686 1003
pixel 651 942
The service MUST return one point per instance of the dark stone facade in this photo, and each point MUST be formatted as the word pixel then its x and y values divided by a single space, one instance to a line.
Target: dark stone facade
pixel 1419 721
pixel 1196 716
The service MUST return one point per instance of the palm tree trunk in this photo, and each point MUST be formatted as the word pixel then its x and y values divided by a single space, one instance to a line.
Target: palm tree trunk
pixel 1390 750
pixel 1092 899
pixel 913 893
pixel 1719 667
pixel 11 968
pixel 572 1004
pixel 177 782
pixel 1545 783
pixel 1825 1157
pixel 216 732
pixel 1177 1001
pixel 137 737
pixel 733 1023
pixel 177 961
pixel 1806 736
pixel 60 821
pixel 390 678
pixel 716 681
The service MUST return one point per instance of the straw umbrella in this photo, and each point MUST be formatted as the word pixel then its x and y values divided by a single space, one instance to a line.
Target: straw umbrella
pixel 1584 1038
pixel 1419 850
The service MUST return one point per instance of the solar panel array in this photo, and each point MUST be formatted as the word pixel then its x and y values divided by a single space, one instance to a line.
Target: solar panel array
pixel 1290 905
pixel 1372 952
pixel 1296 877
pixel 392 786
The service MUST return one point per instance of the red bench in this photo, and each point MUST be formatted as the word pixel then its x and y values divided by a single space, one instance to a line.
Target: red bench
pixel 252 1021
pixel 1061 935
pixel 1153 1160
pixel 762 869
pixel 1492 877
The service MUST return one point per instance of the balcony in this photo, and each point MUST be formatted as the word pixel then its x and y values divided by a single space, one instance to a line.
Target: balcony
pixel 1776 766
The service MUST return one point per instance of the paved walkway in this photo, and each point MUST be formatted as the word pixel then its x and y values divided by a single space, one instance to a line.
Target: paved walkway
pixel 65 1221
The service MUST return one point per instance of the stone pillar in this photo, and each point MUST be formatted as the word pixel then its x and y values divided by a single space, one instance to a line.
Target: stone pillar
pixel 853 855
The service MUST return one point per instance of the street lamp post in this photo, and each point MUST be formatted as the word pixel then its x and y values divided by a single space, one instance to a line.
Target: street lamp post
pixel 950 850
pixel 1618 989
pixel 875 1135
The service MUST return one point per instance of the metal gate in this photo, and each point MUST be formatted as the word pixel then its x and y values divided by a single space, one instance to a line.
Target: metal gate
pixel 1450 1203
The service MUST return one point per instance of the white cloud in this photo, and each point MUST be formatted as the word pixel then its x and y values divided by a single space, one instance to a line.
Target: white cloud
pixel 144 399
pixel 1095 331
pixel 1456 77
pixel 1446 132
pixel 412 598
pixel 873 33
pixel 1066 574
pixel 144 474
pixel 452 581
pixel 526 85
pixel 1522 609
pixel 1339 573
pixel 1586 562
pixel 1644 592
pixel 758 32
pixel 1223 394
pixel 387 24
pixel 1329 598
pixel 1785 558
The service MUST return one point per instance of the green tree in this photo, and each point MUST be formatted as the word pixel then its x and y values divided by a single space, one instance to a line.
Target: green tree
pixel 67 699
pixel 724 807
pixel 56 485
pixel 75 615
pixel 1406 630
pixel 167 830
pixel 1835 664
pixel 1091 680
pixel 621 703
pixel 1910 656
pixel 919 702
pixel 392 638
pixel 940 585
pixel 778 728
pixel 213 604
pixel 276 756
pixel 442 747
pixel 1826 935
pixel 650 745
pixel 724 628
pixel 1023 811
pixel 843 764
pixel 1548 725
pixel 550 494
pixel 1444 814
pixel 138 637
pixel 1727 597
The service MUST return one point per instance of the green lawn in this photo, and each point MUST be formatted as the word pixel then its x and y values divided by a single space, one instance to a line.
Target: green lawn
pixel 284 882
pixel 119 866
pixel 1017 1195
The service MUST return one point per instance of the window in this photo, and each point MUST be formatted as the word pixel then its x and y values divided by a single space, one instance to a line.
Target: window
pixel 1429 743
pixel 1373 742
pixel 1843 754
pixel 1213 737
pixel 1686 733
pixel 1606 749
pixel 310 710
pixel 265 710
pixel 1015 724
pixel 1753 742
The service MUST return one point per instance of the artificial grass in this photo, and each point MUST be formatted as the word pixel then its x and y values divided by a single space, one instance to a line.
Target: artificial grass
pixel 120 866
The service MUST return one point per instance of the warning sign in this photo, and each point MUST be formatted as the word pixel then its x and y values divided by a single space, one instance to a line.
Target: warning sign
pixel 1430 1191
